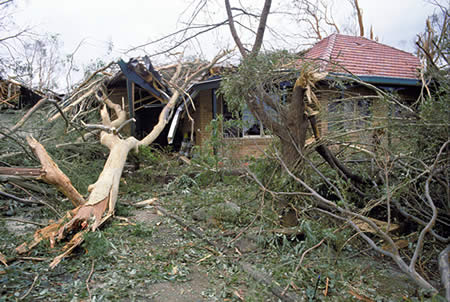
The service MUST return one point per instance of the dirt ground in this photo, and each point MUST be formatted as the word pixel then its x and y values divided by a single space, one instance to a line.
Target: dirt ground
pixel 198 281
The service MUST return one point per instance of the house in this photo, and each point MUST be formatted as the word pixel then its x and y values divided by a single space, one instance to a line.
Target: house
pixel 14 95
pixel 143 92
pixel 352 105
pixel 139 87
pixel 345 106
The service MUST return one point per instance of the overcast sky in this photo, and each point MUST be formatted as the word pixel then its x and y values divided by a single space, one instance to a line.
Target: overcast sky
pixel 133 22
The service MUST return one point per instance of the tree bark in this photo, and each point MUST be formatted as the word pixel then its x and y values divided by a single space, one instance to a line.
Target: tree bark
pixel 445 270
pixel 295 124
pixel 261 27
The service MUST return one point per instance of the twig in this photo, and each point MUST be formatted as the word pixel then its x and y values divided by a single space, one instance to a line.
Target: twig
pixel 88 279
pixel 276 290
pixel 183 223
pixel 18 143
pixel 300 263
pixel 251 223
pixel 32 258
pixel 25 117
pixel 94 74
pixel 246 267
pixel 27 201
pixel 55 103
pixel 325 292
pixel 29 290
pixel 24 221
pixel 429 226
pixel 30 201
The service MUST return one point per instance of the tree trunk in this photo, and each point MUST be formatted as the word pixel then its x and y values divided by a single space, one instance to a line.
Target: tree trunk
pixel 293 135
pixel 104 192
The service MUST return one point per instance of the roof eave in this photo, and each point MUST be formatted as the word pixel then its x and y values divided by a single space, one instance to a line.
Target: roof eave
pixel 206 84
pixel 381 80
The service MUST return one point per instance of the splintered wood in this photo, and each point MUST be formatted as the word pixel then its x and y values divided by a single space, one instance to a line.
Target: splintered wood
pixel 51 173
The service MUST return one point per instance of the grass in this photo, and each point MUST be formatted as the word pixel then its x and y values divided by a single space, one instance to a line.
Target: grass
pixel 133 259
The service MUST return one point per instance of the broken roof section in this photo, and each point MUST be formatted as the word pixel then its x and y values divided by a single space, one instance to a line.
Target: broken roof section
pixel 143 90
pixel 371 61
pixel 15 95
pixel 141 72
pixel 155 81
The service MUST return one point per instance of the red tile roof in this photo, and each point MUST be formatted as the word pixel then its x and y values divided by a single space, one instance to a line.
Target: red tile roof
pixel 363 57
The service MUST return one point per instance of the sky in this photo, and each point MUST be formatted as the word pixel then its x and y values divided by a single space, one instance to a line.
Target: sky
pixel 124 24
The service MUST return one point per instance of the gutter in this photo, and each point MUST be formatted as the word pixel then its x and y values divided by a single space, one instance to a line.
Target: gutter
pixel 195 88
pixel 380 80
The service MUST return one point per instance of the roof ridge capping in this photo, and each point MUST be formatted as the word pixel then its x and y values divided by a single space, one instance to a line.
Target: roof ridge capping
pixel 376 42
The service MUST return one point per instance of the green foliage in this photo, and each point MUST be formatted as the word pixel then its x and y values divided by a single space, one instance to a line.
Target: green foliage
pixel 141 230
pixel 97 245
pixel 122 210
pixel 148 155
pixel 435 115
pixel 211 152
pixel 264 70
pixel 183 183
pixel 269 171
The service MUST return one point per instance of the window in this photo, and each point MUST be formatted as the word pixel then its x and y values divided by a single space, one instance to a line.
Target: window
pixel 348 114
pixel 243 124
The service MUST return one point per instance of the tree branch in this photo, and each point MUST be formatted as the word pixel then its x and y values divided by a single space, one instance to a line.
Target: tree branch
pixel 53 175
pixel 261 27
pixel 233 31
pixel 25 117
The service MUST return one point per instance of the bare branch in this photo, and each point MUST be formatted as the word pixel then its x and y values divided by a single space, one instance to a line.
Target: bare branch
pixel 25 117
pixel 261 27
pixel 16 35
pixel 233 31
pixel 360 19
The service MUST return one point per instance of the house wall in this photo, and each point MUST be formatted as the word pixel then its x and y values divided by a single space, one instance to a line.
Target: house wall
pixel 379 111
pixel 202 116
pixel 240 148
pixel 118 95
pixel 236 148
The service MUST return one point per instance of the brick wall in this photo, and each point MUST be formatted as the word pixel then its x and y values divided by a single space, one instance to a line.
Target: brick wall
pixel 240 148
pixel 254 146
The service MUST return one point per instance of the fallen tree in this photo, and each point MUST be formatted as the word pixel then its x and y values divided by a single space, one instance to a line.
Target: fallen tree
pixel 103 194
